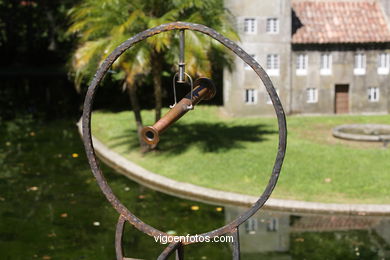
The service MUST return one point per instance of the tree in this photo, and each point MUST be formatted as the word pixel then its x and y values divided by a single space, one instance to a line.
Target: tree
pixel 103 24
pixel 33 51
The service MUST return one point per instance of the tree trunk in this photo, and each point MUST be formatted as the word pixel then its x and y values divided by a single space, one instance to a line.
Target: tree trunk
pixel 156 73
pixel 132 91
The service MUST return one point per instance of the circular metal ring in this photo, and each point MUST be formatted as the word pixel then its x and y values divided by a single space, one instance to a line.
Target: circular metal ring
pixel 87 137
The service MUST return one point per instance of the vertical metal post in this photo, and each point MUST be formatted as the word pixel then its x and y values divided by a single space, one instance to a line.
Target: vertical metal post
pixel 181 57
pixel 236 244
pixel 180 253
pixel 119 237
pixel 169 250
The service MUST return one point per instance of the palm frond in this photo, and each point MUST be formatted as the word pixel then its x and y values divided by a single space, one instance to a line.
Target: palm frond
pixel 102 25
pixel 130 21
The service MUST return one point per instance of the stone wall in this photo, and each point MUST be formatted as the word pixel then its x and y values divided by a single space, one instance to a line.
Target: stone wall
pixel 342 73
pixel 290 86
pixel 259 44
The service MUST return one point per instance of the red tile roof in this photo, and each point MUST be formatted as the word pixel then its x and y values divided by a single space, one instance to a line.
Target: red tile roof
pixel 332 223
pixel 340 22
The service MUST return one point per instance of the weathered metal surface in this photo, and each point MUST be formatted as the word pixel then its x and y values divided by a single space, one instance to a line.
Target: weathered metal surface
pixel 170 249
pixel 180 252
pixel 182 75
pixel 204 90
pixel 119 237
pixel 87 137
pixel 236 244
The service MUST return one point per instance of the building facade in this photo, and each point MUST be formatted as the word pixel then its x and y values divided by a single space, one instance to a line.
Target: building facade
pixel 272 234
pixel 322 56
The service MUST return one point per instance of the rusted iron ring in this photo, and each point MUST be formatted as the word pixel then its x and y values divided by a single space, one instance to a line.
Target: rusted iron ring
pixel 87 137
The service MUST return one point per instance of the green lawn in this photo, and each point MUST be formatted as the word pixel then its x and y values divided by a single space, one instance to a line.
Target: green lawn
pixel 237 154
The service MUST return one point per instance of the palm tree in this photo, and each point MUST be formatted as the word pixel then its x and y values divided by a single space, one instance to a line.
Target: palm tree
pixel 103 24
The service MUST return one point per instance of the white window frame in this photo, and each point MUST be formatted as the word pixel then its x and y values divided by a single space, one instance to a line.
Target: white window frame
pixel 311 95
pixel 273 64
pixel 250 25
pixel 373 94
pixel 250 96
pixel 272 25
pixel 326 64
pixel 246 66
pixel 268 98
pixel 360 64
pixel 383 63
pixel 302 64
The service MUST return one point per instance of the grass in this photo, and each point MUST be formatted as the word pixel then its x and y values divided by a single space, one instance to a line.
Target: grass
pixel 209 149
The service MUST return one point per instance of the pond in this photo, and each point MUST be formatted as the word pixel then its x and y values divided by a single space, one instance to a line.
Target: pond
pixel 51 208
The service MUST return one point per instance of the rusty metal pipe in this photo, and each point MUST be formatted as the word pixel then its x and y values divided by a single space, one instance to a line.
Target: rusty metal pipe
pixel 204 90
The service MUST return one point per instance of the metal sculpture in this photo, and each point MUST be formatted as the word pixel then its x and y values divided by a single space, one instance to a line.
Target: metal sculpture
pixel 205 90
pixel 205 85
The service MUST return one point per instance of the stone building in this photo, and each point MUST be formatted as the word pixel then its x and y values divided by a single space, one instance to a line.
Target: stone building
pixel 322 56
pixel 271 234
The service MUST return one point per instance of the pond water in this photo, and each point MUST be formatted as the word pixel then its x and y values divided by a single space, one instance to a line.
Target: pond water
pixel 51 208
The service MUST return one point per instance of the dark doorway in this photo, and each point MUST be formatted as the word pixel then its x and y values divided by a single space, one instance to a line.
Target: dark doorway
pixel 341 103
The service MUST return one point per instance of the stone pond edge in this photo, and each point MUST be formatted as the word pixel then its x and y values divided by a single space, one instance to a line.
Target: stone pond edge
pixel 217 197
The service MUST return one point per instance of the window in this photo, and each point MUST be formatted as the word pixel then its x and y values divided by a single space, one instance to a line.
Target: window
pixel 326 64
pixel 360 64
pixel 273 225
pixel 272 25
pixel 246 66
pixel 250 96
pixel 373 94
pixel 273 64
pixel 250 25
pixel 251 226
pixel 268 98
pixel 311 95
pixel 302 61
pixel 383 63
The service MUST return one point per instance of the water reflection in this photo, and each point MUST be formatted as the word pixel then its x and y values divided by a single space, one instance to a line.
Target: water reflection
pixel 52 208
pixel 283 235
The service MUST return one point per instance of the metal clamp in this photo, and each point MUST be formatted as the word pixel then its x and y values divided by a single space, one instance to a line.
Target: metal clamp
pixel 190 107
